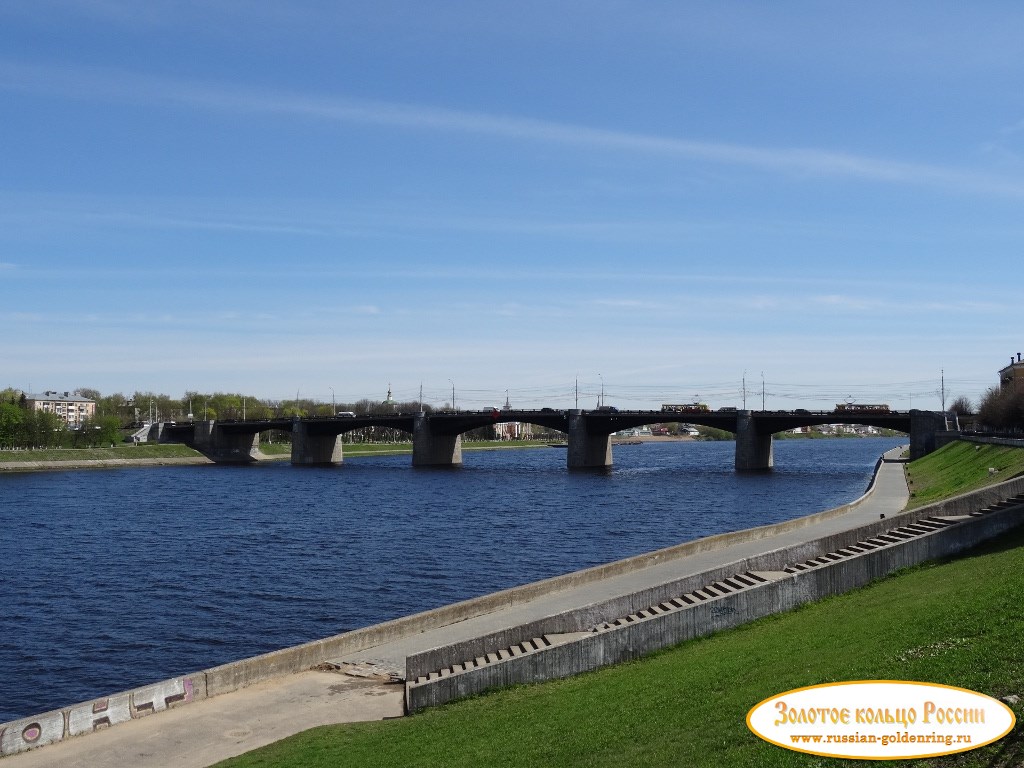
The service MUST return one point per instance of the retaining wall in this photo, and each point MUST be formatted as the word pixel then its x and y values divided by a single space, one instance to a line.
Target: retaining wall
pixel 523 654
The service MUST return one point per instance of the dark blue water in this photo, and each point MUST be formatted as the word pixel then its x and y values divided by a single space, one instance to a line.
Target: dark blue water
pixel 110 579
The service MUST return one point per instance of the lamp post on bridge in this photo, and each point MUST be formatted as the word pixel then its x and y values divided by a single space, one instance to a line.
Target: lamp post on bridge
pixel 334 404
pixel 453 393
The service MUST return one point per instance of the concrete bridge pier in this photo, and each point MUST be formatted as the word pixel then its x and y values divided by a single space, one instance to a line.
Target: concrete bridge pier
pixel 314 450
pixel 753 449
pixel 586 450
pixel 223 447
pixel 924 429
pixel 434 450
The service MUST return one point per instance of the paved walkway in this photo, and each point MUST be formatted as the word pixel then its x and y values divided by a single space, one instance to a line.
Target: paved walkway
pixel 204 732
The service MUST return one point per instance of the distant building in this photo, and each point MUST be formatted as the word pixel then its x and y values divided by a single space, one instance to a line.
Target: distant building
pixel 390 403
pixel 71 408
pixel 634 432
pixel 513 430
pixel 1013 374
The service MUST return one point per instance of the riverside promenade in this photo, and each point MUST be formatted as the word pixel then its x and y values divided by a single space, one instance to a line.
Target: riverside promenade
pixel 355 687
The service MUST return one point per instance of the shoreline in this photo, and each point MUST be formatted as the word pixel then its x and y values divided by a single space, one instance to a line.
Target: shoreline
pixel 57 465
pixel 45 465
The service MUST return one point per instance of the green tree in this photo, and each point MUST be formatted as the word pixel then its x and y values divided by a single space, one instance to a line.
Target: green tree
pixel 106 430
pixel 42 429
pixel 11 417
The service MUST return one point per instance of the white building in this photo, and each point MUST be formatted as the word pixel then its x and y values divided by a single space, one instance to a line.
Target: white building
pixel 513 430
pixel 71 408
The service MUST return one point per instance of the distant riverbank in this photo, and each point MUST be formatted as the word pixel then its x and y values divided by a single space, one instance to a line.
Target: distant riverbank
pixel 157 454
pixel 149 455
pixel 123 455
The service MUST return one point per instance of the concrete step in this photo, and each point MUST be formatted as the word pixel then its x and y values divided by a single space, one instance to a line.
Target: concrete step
pixel 713 591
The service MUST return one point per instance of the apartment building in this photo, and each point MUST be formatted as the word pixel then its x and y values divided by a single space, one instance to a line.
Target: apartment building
pixel 71 408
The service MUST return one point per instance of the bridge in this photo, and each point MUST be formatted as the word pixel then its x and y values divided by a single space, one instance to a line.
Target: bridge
pixel 437 437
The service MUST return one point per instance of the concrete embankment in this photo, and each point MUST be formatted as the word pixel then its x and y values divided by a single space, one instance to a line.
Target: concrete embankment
pixel 627 627
pixel 52 466
pixel 616 611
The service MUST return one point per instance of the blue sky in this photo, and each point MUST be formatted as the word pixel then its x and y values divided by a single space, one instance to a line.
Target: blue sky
pixel 660 197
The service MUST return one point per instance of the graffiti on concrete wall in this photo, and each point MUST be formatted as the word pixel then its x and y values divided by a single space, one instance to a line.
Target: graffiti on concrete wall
pixel 93 715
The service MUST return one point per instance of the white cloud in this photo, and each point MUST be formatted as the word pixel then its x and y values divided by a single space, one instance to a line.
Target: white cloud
pixel 118 85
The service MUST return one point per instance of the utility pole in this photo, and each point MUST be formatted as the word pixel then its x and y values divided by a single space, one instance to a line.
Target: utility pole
pixel 943 374
pixel 577 393
pixel 744 390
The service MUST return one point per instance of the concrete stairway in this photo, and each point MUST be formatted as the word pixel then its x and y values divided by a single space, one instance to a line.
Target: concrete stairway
pixel 721 588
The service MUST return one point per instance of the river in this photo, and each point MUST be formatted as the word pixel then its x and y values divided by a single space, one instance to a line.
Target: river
pixel 111 579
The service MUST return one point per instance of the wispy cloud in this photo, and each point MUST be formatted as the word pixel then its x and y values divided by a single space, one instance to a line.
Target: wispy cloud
pixel 892 307
pixel 121 86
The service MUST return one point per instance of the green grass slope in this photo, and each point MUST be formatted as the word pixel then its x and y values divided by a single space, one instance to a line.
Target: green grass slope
pixel 121 451
pixel 961 467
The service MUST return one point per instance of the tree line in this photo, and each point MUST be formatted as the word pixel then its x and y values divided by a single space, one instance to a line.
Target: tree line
pixel 117 414
pixel 1002 408
pixel 24 427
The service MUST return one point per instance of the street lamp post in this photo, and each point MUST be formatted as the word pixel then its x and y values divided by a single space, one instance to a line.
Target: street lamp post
pixel 453 393
pixel 601 401
pixel 334 404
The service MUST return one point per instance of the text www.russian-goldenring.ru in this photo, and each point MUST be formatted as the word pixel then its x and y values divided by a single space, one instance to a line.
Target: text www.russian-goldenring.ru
pixel 884 740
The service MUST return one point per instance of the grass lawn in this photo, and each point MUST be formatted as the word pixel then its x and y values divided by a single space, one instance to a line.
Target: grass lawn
pixel 119 451
pixel 961 467
pixel 959 623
